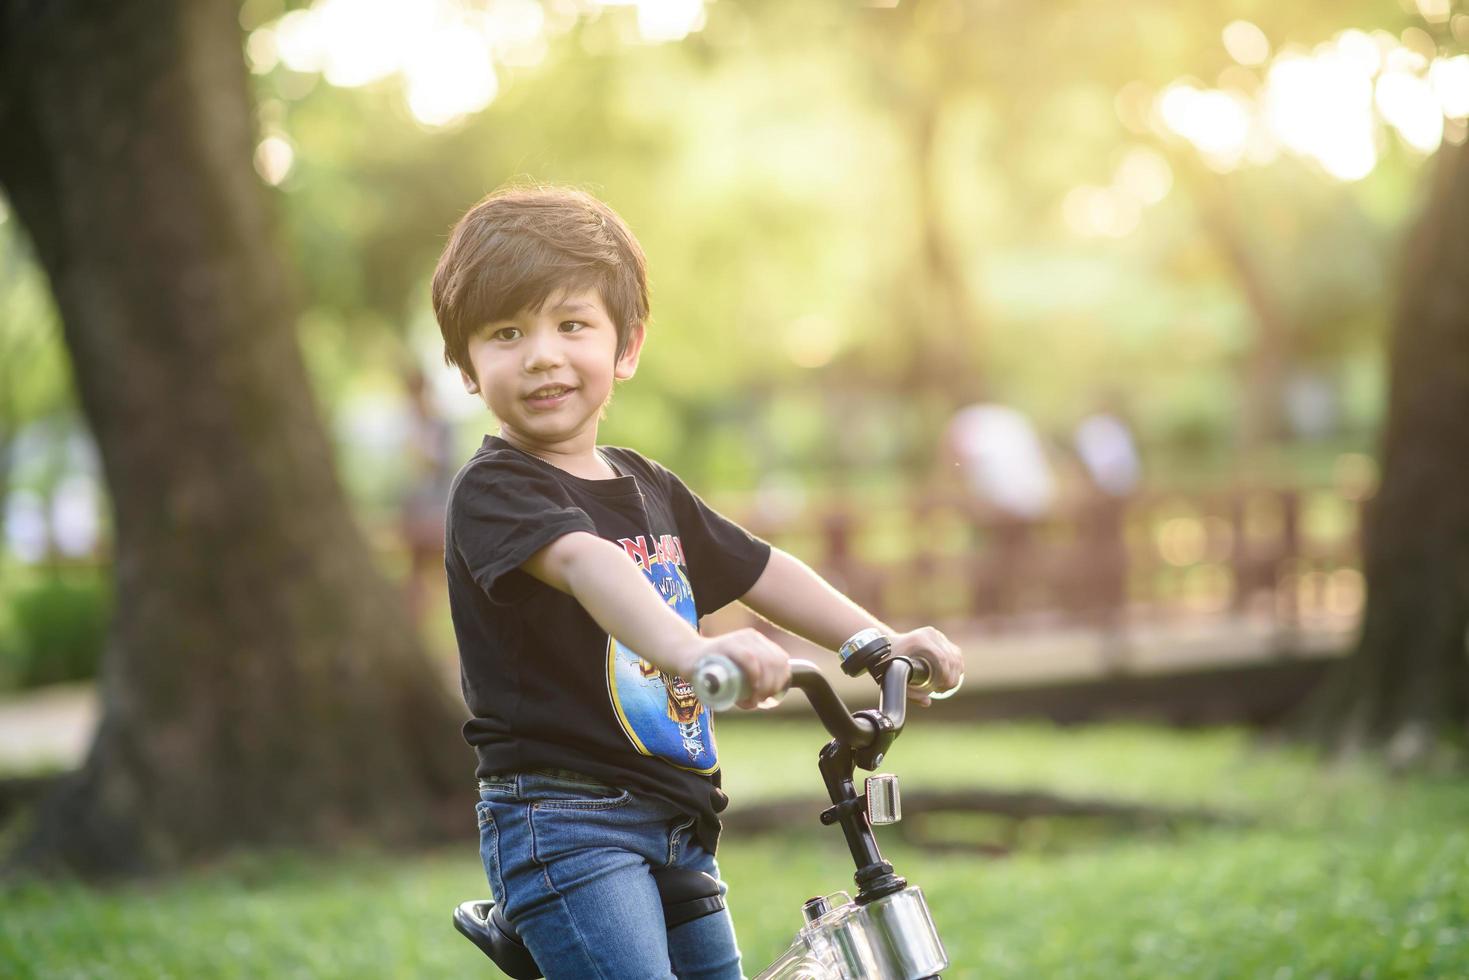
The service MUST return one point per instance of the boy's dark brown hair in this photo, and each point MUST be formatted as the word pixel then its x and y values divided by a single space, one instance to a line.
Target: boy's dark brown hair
pixel 518 246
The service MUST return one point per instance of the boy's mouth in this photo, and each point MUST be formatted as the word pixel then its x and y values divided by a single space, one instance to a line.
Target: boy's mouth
pixel 549 393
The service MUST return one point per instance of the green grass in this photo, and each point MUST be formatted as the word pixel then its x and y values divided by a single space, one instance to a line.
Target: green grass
pixel 1341 873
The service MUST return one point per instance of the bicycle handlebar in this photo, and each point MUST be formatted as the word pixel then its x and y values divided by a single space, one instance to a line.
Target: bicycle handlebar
pixel 719 684
pixel 844 726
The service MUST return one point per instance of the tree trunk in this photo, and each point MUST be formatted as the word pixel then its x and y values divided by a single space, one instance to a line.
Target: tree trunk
pixel 1407 683
pixel 261 684
pixel 953 332
pixel 1263 377
pixel 915 51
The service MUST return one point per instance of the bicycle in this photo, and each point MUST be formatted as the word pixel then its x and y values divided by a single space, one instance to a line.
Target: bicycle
pixel 886 933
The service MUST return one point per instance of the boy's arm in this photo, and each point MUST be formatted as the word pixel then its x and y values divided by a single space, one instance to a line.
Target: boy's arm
pixel 598 574
pixel 795 598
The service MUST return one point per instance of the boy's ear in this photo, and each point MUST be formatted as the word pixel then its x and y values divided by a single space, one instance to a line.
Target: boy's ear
pixel 470 385
pixel 627 364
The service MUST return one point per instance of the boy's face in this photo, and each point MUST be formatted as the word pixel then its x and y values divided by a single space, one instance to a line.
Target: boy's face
pixel 546 373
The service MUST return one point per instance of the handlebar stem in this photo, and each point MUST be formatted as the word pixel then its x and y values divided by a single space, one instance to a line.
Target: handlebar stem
pixel 891 713
pixel 858 740
pixel 874 876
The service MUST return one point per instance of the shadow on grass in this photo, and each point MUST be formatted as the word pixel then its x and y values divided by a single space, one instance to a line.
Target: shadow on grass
pixel 997 822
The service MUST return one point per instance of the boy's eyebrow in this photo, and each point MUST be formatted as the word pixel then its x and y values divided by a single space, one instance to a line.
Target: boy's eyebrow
pixel 573 306
pixel 566 306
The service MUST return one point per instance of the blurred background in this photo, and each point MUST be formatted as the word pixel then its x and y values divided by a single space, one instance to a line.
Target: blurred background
pixel 1187 222
pixel 1064 326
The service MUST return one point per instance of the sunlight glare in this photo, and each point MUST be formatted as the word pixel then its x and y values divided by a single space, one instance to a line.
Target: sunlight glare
pixel 1404 59
pixel 1321 107
pixel 451 77
pixel 512 26
pixel 274 158
pixel 260 51
pixel 1450 78
pixel 1361 51
pixel 1434 11
pixel 1144 174
pixel 1420 42
pixel 1328 104
pixel 1132 105
pixel 1408 103
pixel 445 51
pixel 669 20
pixel 299 42
pixel 1216 122
pixel 1246 43
pixel 362 39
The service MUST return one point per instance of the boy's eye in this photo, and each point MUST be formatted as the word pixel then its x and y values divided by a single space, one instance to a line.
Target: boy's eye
pixel 505 333
pixel 572 326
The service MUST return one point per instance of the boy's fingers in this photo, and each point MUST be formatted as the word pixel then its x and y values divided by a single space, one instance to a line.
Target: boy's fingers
pixel 765 664
pixel 945 660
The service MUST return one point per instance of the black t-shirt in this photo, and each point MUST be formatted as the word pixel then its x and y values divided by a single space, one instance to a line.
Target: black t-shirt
pixel 547 686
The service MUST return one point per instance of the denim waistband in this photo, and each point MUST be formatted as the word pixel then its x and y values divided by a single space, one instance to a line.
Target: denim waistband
pixel 502 778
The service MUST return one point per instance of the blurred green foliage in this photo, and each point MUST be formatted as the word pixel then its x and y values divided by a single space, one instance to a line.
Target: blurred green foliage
pixel 767 164
pixel 773 165
pixel 53 626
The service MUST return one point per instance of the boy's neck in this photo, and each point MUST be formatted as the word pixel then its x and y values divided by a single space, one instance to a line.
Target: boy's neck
pixel 583 460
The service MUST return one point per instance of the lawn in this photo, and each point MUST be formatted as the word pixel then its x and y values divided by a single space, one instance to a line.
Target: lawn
pixel 1341 872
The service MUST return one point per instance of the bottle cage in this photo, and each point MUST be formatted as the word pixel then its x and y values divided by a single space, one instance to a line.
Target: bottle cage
pixel 687 895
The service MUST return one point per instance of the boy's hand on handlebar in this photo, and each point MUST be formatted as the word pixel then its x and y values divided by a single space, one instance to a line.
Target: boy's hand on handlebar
pixel 943 659
pixel 766 667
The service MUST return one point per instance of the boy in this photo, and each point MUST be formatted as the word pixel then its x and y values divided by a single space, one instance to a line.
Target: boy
pixel 596 764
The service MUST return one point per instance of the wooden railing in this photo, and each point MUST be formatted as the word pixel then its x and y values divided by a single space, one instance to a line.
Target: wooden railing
pixel 1289 555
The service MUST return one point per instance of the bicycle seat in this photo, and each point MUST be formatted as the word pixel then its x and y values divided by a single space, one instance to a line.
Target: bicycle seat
pixel 686 896
pixel 483 924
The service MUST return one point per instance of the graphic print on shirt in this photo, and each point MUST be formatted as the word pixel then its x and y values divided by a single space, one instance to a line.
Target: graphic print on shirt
pixel 658 710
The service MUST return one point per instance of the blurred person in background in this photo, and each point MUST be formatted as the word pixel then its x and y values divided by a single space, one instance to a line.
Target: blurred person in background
pixel 430 449
pixel 1107 451
pixel 1010 486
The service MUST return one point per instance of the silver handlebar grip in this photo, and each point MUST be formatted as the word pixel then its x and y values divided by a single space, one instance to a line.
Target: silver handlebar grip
pixel 921 676
pixel 921 679
pixel 718 682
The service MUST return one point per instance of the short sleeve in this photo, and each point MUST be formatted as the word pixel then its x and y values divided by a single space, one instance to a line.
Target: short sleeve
pixel 724 559
pixel 502 510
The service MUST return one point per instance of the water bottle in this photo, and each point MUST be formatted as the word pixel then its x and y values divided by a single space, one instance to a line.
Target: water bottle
pixel 718 682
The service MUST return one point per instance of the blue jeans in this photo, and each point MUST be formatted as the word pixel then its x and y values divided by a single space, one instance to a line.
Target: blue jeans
pixel 571 861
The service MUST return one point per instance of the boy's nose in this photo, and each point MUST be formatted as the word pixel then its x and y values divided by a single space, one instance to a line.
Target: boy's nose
pixel 542 353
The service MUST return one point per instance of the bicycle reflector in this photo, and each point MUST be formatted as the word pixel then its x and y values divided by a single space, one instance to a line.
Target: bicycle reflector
pixel 884 805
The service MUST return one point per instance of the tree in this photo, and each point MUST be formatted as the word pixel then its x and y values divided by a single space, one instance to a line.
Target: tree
pixel 1407 682
pixel 261 682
